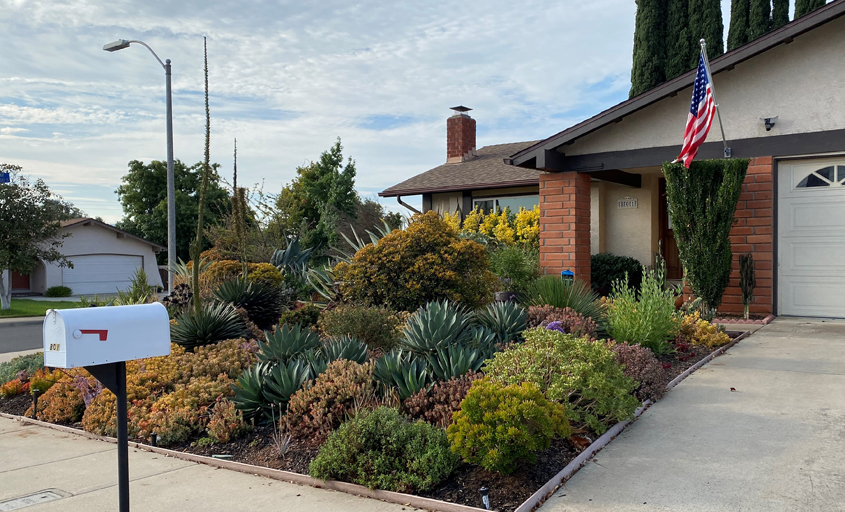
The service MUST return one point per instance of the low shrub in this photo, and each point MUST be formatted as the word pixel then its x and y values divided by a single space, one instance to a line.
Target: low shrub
pixel 306 315
pixel 697 331
pixel 58 291
pixel 265 273
pixel 562 293
pixel 437 405
pixel 214 323
pixel 649 320
pixel 607 268
pixel 315 411
pixel 62 403
pixel 569 321
pixel 409 267
pixel 13 388
pixel 378 327
pixel 226 422
pixel 581 374
pixel 640 364
pixel 383 450
pixel 500 426
pixel 515 266
pixel 28 364
pixel 43 379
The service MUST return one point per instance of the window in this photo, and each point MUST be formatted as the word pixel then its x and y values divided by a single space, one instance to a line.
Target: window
pixel 825 177
pixel 513 203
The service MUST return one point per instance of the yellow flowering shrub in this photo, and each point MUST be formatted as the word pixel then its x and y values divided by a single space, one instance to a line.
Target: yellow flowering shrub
pixel 473 221
pixel 522 228
pixel 696 330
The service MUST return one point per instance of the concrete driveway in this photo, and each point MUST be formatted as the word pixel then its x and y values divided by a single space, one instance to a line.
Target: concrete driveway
pixel 776 443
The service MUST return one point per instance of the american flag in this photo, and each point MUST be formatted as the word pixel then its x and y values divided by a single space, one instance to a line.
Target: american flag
pixel 701 110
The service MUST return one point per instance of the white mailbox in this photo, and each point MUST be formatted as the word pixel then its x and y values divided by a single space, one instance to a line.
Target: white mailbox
pixel 102 335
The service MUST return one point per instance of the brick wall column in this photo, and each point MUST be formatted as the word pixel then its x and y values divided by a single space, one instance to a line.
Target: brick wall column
pixel 565 224
pixel 752 233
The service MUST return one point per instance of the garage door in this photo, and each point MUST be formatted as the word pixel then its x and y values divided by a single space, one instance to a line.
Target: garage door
pixel 101 273
pixel 811 238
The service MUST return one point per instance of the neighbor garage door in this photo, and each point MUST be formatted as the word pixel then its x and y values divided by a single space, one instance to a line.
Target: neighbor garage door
pixel 811 238
pixel 101 273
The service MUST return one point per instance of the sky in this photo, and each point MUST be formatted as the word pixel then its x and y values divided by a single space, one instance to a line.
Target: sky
pixel 288 78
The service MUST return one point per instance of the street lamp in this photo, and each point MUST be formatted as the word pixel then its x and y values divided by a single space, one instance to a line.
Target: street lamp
pixel 120 44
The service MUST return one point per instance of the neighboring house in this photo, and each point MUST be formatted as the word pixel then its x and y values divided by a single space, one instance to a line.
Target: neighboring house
pixel 104 259
pixel 601 185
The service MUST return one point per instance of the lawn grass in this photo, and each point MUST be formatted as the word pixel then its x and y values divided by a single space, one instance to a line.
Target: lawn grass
pixel 28 307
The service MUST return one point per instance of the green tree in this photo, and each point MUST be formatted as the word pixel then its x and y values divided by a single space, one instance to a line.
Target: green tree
pixel 31 217
pixel 649 62
pixel 315 200
pixel 679 42
pixel 143 195
pixel 759 18
pixel 739 29
pixel 705 22
pixel 780 13
pixel 803 7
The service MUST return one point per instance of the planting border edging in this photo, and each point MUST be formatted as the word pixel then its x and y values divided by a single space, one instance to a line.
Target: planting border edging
pixel 389 496
pixel 275 474
pixel 566 473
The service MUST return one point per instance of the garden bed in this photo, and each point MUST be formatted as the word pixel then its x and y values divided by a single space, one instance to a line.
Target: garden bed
pixel 507 492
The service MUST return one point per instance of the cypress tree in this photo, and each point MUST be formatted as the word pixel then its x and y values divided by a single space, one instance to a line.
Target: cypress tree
pixel 780 13
pixel 649 63
pixel 760 18
pixel 803 7
pixel 678 41
pixel 705 22
pixel 738 31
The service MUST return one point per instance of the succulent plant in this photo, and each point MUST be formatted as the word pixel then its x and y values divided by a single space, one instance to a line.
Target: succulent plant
pixel 402 371
pixel 293 260
pixel 390 363
pixel 455 361
pixel 437 325
pixel 261 302
pixel 506 319
pixel 482 339
pixel 287 342
pixel 317 363
pixel 345 347
pixel 283 380
pixel 213 323
pixel 249 392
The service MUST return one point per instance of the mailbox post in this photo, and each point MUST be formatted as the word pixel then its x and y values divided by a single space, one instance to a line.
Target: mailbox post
pixel 101 340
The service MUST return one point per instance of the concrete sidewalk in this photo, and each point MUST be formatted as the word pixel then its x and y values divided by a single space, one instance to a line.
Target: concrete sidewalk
pixel 776 443
pixel 82 474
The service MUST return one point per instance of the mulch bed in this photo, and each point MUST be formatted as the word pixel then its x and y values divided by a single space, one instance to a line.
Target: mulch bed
pixel 506 492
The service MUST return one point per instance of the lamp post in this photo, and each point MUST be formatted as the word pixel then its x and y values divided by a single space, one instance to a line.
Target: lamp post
pixel 120 44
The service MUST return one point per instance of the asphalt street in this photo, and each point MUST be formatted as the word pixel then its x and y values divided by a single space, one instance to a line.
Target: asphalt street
pixel 16 337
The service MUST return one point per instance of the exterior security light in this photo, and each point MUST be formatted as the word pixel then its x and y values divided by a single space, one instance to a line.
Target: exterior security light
pixel 116 45
pixel 769 122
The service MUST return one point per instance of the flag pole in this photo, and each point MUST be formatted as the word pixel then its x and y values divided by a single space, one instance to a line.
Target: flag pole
pixel 713 92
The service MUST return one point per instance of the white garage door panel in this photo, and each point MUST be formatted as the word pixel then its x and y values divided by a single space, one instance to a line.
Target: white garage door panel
pixel 811 238
pixel 101 273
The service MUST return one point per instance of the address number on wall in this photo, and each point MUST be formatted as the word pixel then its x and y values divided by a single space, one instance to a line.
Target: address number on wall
pixel 627 202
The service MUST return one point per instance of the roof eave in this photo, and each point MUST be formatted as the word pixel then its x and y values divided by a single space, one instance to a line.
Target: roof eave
pixel 459 188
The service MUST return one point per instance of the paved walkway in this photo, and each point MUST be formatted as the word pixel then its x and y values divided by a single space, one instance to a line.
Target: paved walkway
pixel 776 443
pixel 83 472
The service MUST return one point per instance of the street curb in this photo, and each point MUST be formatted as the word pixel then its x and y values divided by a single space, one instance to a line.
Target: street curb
pixel 17 322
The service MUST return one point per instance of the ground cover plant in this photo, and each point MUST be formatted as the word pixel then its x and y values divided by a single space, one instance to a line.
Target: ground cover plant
pixel 561 293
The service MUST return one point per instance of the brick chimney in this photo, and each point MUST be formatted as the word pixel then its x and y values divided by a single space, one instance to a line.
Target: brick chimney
pixel 460 136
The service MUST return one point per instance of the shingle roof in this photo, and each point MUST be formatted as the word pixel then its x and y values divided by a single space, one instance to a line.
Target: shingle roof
pixel 486 170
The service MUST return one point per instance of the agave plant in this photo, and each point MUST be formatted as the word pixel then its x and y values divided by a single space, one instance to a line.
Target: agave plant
pixel 437 325
pixel 286 343
pixel 261 302
pixel 356 243
pixel 455 361
pixel 283 381
pixel 322 281
pixel 482 339
pixel 249 391
pixel 506 319
pixel 213 323
pixel 316 362
pixel 345 347
pixel 390 363
pixel 182 269
pixel 293 260
pixel 561 293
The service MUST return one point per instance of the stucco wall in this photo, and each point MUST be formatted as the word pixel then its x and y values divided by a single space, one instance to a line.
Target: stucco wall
pixel 800 82
pixel 630 231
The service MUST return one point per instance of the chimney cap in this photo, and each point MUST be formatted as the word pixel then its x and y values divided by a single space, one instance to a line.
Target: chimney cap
pixel 461 109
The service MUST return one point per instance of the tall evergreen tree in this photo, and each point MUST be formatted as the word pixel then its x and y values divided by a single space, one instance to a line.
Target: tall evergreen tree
pixel 649 63
pixel 803 7
pixel 780 13
pixel 738 31
pixel 760 18
pixel 705 22
pixel 679 44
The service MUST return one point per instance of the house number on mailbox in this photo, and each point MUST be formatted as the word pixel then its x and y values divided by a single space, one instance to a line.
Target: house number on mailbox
pixel 627 202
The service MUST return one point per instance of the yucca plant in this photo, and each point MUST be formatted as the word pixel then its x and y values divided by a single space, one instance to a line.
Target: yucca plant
pixel 506 319
pixel 455 361
pixel 213 323
pixel 437 325
pixel 261 302
pixel 345 347
pixel 561 293
pixel 283 381
pixel 249 391
pixel 286 343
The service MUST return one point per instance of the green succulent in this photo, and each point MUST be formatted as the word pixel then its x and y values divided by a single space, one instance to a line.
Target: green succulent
pixel 317 363
pixel 506 319
pixel 293 260
pixel 261 302
pixel 482 339
pixel 287 342
pixel 437 325
pixel 283 381
pixel 390 363
pixel 213 323
pixel 345 347
pixel 401 370
pixel 455 361
pixel 249 392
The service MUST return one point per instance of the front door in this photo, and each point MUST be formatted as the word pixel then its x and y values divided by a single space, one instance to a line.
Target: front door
pixel 20 281
pixel 668 246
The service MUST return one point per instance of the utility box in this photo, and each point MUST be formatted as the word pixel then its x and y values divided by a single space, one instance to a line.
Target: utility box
pixel 103 335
